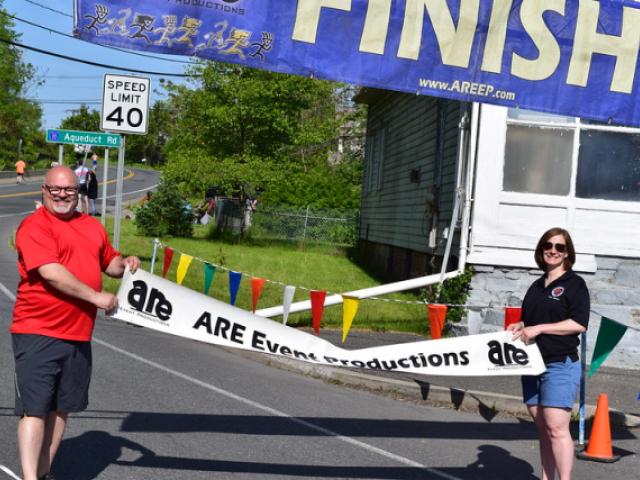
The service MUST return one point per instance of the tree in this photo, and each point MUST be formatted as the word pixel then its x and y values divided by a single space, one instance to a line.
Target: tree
pixel 151 146
pixel 249 128
pixel 19 118
pixel 83 119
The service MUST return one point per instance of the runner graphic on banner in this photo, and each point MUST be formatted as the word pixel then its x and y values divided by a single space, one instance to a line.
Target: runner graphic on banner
pixel 575 58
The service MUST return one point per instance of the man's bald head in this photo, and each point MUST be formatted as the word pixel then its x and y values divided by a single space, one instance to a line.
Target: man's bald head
pixel 61 176
pixel 60 192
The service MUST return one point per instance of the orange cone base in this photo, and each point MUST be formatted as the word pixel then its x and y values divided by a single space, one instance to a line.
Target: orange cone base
pixel 583 455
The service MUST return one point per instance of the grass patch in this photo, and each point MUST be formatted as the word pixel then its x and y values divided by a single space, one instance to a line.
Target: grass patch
pixel 321 267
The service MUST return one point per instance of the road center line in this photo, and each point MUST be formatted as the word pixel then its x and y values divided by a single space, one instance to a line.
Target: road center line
pixel 264 408
pixel 273 411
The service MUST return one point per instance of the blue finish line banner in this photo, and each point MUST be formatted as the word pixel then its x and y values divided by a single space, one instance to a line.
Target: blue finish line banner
pixel 570 57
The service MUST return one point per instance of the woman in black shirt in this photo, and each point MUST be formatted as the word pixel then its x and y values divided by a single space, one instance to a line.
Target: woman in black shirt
pixel 555 311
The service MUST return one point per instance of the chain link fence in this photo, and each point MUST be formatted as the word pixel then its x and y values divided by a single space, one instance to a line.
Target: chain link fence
pixel 334 226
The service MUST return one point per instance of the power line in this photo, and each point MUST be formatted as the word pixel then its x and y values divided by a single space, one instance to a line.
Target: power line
pixel 58 32
pixel 49 8
pixel 95 64
pixel 61 101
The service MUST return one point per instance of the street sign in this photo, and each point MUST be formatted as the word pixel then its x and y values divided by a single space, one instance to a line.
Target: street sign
pixel 74 137
pixel 125 104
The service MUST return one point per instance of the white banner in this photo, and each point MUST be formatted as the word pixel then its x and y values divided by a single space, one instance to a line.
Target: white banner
pixel 153 302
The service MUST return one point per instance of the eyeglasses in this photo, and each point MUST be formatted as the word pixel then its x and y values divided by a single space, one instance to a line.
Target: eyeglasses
pixel 56 190
pixel 560 247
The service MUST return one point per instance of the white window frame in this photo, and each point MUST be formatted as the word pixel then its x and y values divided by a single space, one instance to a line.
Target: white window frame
pixel 492 243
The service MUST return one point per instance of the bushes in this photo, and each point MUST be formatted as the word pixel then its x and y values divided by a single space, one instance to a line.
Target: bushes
pixel 166 213
pixel 455 291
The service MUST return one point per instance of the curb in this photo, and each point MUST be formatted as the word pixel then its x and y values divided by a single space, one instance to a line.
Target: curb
pixel 486 404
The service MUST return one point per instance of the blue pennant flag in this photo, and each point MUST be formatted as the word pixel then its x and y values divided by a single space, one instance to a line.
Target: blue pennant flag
pixel 234 285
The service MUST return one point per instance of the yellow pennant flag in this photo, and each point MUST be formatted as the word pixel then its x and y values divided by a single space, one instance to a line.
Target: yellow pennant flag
pixel 349 310
pixel 183 266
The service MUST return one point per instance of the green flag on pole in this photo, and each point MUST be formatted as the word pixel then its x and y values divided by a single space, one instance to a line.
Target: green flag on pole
pixel 609 335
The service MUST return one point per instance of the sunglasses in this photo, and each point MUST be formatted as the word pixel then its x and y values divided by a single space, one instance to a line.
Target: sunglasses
pixel 560 247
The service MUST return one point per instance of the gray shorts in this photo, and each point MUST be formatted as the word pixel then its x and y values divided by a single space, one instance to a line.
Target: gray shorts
pixel 52 375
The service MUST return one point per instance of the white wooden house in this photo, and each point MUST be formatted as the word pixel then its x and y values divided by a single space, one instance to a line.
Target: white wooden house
pixel 519 173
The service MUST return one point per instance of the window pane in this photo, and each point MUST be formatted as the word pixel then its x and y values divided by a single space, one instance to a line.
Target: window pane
pixel 537 160
pixel 609 166
pixel 521 114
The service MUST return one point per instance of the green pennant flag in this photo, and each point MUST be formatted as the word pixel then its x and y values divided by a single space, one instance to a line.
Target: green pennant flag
pixel 609 335
pixel 209 272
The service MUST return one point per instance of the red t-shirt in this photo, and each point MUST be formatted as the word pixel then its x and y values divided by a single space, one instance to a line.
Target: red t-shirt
pixel 82 246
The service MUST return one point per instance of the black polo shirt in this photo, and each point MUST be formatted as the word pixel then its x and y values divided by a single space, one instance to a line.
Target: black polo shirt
pixel 565 298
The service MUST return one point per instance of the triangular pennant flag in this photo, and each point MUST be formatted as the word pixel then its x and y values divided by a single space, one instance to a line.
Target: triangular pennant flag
pixel 234 285
pixel 349 310
pixel 474 321
pixel 317 308
pixel 512 315
pixel 257 284
pixel 437 319
pixel 289 291
pixel 609 335
pixel 183 266
pixel 209 273
pixel 168 256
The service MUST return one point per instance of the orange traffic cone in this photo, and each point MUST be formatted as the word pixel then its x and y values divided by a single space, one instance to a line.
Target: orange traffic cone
pixel 599 448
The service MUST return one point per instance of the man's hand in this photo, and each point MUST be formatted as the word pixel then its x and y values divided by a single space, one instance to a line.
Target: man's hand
pixel 118 265
pixel 106 301
pixel 132 262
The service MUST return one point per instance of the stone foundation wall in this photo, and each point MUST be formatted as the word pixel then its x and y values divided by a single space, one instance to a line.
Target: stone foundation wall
pixel 614 290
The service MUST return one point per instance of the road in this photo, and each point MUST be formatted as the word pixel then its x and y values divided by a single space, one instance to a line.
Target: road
pixel 162 407
pixel 19 199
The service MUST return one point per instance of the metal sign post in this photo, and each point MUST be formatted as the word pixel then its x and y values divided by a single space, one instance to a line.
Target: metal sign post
pixel 125 109
pixel 105 174
pixel 118 213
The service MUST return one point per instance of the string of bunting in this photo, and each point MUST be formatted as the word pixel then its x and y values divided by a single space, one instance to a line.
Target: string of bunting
pixel 609 334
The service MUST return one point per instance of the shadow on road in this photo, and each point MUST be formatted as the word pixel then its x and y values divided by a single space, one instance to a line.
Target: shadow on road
pixel 352 427
pixel 87 456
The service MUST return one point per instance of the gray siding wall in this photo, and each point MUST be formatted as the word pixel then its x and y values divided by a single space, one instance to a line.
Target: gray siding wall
pixel 408 133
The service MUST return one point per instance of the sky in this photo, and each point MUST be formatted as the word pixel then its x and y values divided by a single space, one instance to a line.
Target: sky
pixel 68 84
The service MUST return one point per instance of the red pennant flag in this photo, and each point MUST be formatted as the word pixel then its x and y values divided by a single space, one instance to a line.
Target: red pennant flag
pixel 317 308
pixel 437 318
pixel 168 256
pixel 257 284
pixel 511 315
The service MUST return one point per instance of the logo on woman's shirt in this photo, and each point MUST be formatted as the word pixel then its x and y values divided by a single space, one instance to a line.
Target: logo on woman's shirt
pixel 556 293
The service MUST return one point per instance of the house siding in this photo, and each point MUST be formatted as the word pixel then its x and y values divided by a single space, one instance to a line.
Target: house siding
pixel 407 135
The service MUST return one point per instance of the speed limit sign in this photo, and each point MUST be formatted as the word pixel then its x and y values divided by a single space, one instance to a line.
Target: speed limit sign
pixel 125 104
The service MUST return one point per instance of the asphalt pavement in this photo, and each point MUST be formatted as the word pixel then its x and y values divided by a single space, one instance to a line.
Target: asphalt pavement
pixel 488 396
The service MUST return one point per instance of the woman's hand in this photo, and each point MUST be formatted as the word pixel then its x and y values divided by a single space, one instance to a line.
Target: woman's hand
pixel 516 328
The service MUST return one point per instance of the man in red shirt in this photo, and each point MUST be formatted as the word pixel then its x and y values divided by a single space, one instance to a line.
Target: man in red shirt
pixel 61 257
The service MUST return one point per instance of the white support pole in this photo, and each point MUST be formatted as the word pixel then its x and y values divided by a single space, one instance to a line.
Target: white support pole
pixel 156 244
pixel 61 154
pixel 105 177
pixel 583 386
pixel 119 181
pixel 364 293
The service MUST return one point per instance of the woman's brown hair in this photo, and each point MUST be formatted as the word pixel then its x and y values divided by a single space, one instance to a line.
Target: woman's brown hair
pixel 571 251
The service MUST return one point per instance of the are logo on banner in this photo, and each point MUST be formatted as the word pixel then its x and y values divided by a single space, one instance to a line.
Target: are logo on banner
pixel 152 302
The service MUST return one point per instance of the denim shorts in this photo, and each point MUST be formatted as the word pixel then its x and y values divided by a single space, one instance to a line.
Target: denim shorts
pixel 557 387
